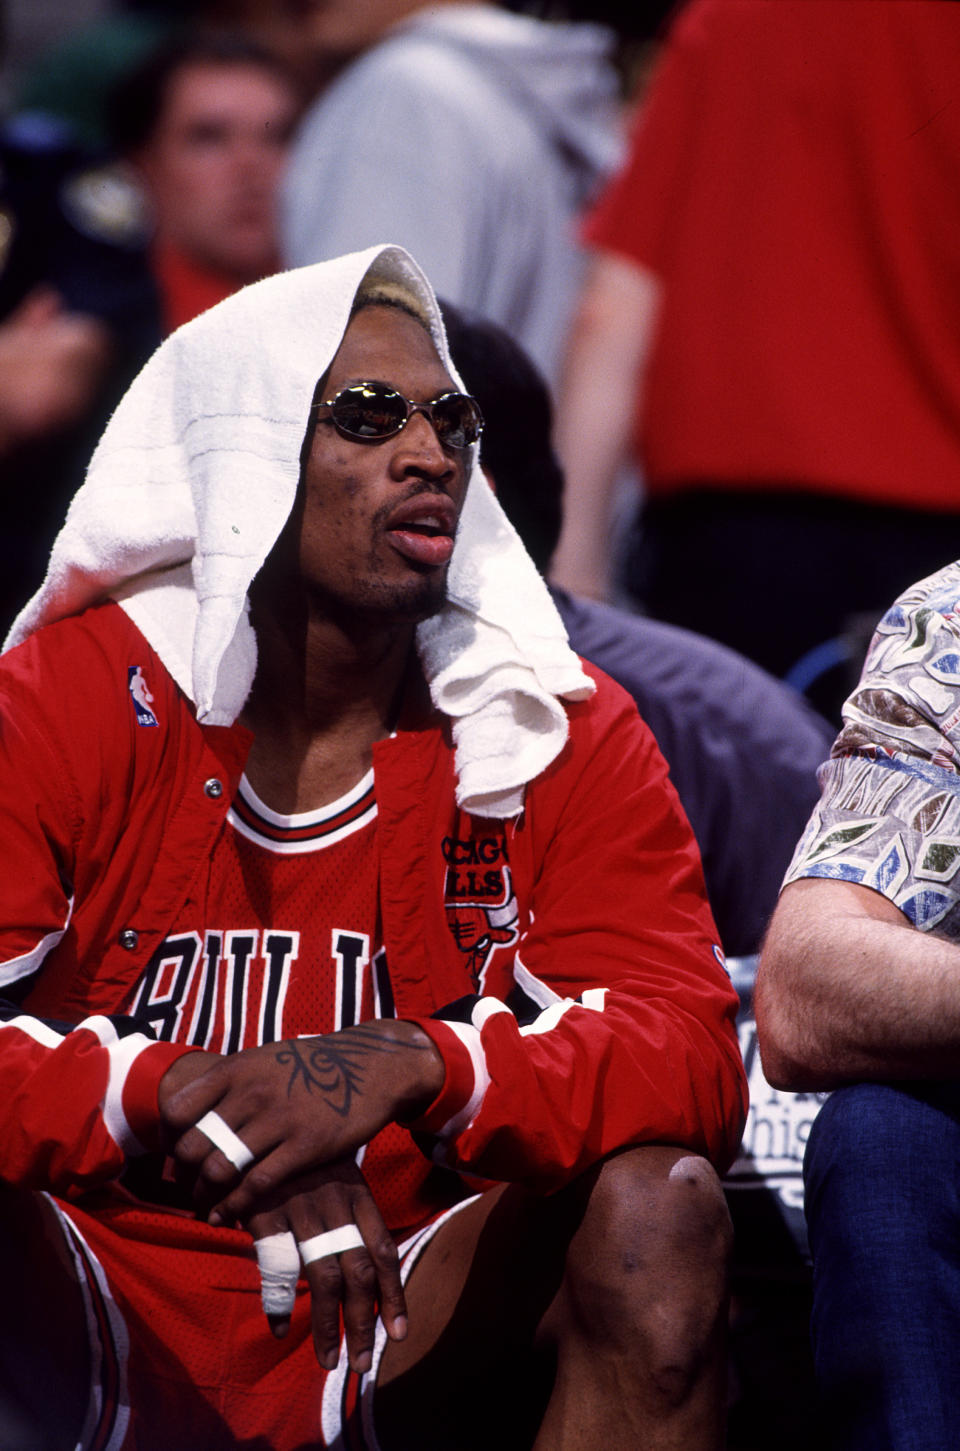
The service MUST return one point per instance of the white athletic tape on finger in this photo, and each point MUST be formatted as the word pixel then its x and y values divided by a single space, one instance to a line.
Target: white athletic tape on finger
pixel 333 1242
pixel 222 1137
pixel 279 1262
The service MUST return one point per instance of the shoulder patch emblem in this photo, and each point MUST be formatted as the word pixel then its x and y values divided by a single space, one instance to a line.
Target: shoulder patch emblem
pixel 141 696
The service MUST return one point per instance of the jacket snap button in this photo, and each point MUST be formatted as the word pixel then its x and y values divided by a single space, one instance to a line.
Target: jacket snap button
pixel 129 938
pixel 213 788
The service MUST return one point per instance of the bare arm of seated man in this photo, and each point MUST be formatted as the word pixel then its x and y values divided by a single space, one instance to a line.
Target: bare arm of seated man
pixel 298 1104
pixel 848 989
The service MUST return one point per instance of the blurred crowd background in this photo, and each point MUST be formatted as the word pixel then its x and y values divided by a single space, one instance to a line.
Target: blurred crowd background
pixel 142 158
pixel 722 230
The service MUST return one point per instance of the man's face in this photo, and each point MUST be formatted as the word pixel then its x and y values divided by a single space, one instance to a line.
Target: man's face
pixel 214 161
pixel 378 519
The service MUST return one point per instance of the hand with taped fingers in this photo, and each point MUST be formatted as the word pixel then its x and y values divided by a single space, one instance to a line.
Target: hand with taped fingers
pixel 293 1106
pixel 327 1227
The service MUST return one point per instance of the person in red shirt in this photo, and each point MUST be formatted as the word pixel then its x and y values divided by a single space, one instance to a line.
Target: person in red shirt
pixel 770 324
pixel 206 124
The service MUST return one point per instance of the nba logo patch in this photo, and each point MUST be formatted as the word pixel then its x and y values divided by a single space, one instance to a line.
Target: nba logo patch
pixel 140 695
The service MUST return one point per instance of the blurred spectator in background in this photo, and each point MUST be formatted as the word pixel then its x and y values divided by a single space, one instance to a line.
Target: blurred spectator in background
pixel 206 122
pixel 78 317
pixel 773 315
pixel 467 134
pixel 83 257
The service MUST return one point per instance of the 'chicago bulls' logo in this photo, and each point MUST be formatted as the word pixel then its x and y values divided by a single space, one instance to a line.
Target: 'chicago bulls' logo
pixel 481 906
pixel 479 928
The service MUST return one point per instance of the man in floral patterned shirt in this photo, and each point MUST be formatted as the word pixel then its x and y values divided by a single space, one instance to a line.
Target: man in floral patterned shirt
pixel 859 991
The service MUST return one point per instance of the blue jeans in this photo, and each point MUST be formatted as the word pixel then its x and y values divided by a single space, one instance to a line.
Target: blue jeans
pixel 882 1175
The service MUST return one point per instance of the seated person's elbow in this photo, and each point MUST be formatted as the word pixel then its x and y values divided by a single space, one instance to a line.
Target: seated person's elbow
pixel 790 1047
pixel 786 1064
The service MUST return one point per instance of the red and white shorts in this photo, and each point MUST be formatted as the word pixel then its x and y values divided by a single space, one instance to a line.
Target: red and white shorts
pixel 181 1354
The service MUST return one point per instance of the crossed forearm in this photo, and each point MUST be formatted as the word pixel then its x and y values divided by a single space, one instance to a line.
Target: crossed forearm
pixel 338 1068
pixel 297 1104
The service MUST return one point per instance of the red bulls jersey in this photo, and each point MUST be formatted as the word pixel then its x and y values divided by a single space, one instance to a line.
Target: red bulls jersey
pixel 280 935
pixel 280 938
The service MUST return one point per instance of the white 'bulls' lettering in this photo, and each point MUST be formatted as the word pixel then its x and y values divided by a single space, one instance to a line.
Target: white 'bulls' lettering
pixel 223 961
pixel 212 990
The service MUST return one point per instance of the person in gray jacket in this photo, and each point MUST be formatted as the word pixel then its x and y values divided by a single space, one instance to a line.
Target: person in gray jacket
pixel 469 135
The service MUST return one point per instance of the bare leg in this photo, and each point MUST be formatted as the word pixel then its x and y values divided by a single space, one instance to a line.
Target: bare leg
pixel 44 1353
pixel 592 1318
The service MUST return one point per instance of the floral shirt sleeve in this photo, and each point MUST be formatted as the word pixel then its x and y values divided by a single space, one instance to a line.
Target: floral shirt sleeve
pixel 889 813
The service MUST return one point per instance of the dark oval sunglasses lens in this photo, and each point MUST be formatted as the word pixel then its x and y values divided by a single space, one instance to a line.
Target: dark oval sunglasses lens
pixel 369 412
pixel 457 420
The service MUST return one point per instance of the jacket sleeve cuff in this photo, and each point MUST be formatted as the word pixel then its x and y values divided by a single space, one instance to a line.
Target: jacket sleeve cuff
pixel 139 1095
pixel 465 1080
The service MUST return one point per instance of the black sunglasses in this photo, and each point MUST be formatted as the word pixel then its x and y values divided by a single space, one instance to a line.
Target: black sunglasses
pixel 370 412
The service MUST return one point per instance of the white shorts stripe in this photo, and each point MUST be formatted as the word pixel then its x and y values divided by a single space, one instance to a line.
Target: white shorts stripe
pixel 86 1265
pixel 331 1416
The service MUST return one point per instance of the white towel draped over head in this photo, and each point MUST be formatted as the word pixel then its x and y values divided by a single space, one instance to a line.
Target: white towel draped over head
pixel 194 478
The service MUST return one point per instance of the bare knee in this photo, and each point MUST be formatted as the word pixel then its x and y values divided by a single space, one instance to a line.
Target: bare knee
pixel 646 1271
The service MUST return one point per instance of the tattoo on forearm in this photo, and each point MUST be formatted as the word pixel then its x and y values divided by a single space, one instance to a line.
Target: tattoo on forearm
pixel 336 1066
